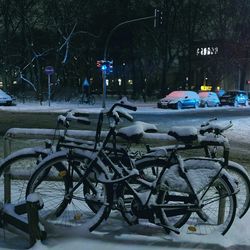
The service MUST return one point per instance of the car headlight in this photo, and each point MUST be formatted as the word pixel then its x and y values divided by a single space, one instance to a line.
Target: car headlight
pixel 173 102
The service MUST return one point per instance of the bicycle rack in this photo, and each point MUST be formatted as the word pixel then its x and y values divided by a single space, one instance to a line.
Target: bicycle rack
pixel 31 133
pixel 24 217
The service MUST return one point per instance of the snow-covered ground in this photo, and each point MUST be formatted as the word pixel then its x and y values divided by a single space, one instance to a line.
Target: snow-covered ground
pixel 115 233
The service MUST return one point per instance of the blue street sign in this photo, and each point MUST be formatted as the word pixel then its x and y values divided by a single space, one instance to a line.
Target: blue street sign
pixel 49 70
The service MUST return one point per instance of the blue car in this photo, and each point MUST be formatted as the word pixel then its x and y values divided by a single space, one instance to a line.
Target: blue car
pixel 180 99
pixel 235 98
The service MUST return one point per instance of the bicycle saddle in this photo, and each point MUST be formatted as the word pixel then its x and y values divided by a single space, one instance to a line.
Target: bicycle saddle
pixel 135 132
pixel 185 134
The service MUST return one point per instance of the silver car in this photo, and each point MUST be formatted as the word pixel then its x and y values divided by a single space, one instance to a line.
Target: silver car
pixel 209 99
pixel 5 99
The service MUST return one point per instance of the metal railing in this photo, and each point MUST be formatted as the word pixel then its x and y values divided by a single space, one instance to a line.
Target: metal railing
pixel 32 133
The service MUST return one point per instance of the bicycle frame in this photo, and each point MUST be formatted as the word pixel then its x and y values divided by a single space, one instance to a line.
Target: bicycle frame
pixel 189 204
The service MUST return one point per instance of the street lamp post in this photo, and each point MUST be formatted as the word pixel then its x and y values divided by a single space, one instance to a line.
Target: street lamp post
pixel 104 88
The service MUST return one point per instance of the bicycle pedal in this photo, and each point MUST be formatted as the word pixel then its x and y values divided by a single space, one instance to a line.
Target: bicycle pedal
pixel 120 205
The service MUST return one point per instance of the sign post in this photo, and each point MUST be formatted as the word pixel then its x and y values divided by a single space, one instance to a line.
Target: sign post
pixel 49 70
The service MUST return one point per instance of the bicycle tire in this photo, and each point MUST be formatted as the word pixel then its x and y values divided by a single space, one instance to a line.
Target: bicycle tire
pixel 206 221
pixel 240 174
pixel 15 171
pixel 243 181
pixel 53 182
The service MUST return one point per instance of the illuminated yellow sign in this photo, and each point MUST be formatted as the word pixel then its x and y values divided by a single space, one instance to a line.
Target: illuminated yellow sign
pixel 206 88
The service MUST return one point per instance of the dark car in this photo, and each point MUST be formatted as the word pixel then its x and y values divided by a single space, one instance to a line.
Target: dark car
pixel 235 98
pixel 180 99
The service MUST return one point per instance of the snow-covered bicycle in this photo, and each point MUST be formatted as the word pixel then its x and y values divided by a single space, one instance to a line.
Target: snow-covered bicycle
pixel 83 186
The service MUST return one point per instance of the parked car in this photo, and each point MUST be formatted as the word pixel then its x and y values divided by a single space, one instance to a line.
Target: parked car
pixel 209 99
pixel 235 98
pixel 5 99
pixel 180 99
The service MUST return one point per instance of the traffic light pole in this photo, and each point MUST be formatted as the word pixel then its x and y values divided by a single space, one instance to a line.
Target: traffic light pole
pixel 104 94
pixel 104 89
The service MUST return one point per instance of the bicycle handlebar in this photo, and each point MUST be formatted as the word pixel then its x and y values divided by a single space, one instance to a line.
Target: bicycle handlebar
pixel 123 105
pixel 117 113
pixel 64 120
pixel 208 121
pixel 214 128
pixel 61 119
pixel 227 127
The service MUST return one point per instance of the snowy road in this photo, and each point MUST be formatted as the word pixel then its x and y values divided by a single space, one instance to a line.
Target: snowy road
pixel 43 116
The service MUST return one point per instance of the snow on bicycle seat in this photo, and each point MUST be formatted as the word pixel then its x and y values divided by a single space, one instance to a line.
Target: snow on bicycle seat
pixel 185 134
pixel 136 131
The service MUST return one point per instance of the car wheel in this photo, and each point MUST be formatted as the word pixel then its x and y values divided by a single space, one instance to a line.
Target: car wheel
pixel 236 104
pixel 179 105
pixel 197 105
pixel 205 105
pixel 217 104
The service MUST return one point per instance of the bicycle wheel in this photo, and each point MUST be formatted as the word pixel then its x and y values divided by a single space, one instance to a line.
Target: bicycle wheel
pixel 241 175
pixel 15 171
pixel 149 169
pixel 243 181
pixel 91 100
pixel 54 179
pixel 216 211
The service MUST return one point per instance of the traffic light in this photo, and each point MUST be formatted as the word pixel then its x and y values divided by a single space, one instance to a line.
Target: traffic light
pixel 99 63
pixel 106 66
pixel 158 20
pixel 109 67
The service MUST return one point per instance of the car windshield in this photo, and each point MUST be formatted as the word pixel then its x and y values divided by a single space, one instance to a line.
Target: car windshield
pixel 231 93
pixel 234 93
pixel 177 94
pixel 3 94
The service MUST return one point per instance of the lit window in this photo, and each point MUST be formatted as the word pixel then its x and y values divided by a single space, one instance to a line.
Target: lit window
pixel 119 81
pixel 207 51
